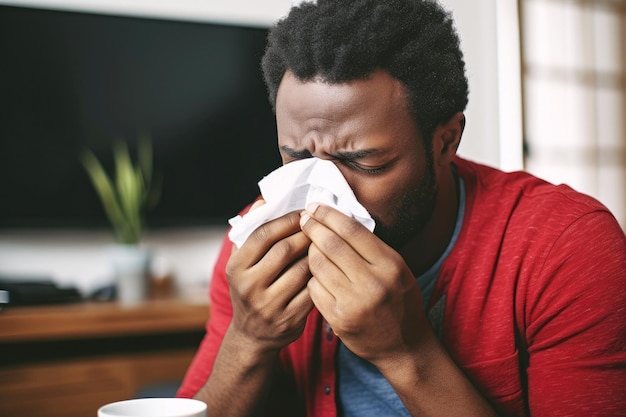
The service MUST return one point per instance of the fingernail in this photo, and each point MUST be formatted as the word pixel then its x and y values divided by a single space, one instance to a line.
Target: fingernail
pixel 311 207
pixel 257 204
pixel 303 219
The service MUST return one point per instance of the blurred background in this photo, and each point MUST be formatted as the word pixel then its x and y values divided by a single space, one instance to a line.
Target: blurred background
pixel 547 94
pixel 574 95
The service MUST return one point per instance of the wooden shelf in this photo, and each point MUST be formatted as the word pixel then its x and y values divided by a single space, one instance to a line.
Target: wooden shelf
pixel 68 360
pixel 85 320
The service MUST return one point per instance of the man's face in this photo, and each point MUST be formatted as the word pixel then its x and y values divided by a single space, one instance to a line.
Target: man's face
pixel 365 127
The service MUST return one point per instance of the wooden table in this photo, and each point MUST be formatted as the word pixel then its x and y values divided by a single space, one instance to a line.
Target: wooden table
pixel 67 360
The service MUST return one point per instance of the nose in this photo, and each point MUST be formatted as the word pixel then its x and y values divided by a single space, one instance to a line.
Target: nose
pixel 319 146
pixel 311 146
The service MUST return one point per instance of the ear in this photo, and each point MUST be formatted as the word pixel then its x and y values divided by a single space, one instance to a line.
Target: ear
pixel 447 137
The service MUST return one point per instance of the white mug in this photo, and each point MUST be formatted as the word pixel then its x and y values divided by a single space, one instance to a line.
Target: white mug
pixel 154 407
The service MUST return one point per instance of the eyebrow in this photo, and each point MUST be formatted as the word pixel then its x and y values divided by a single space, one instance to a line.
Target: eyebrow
pixel 295 153
pixel 344 155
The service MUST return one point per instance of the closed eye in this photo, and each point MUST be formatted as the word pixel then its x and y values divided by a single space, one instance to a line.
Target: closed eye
pixel 366 170
pixel 347 158
pixel 296 154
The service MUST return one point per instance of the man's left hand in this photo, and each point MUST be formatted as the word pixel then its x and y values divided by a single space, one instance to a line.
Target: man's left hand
pixel 363 288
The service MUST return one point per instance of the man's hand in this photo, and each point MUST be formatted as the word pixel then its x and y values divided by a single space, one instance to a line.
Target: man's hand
pixel 267 278
pixel 363 288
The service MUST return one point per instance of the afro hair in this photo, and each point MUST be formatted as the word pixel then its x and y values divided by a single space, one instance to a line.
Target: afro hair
pixel 343 40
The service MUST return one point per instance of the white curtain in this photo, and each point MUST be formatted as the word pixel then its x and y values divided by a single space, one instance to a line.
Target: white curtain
pixel 574 78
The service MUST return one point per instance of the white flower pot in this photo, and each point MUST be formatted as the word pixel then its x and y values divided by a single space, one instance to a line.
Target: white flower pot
pixel 131 266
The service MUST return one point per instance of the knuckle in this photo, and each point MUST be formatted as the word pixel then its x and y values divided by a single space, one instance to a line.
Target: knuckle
pixel 351 229
pixel 389 266
pixel 335 245
pixel 261 234
pixel 316 261
pixel 244 289
pixel 378 291
pixel 292 219
pixel 232 267
pixel 282 249
pixel 302 267
pixel 239 283
pixel 283 226
pixel 346 321
pixel 265 314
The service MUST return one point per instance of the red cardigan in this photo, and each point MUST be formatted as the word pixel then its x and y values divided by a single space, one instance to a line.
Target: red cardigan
pixel 534 306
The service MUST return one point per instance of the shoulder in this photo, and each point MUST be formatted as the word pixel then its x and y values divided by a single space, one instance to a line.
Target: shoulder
pixel 535 234
pixel 521 200
pixel 545 257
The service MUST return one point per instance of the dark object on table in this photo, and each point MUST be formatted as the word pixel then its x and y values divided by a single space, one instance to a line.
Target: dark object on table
pixel 37 292
pixel 4 298
pixel 104 293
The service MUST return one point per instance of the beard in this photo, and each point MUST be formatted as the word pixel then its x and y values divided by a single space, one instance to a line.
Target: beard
pixel 413 211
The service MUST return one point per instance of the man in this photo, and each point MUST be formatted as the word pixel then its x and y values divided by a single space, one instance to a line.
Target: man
pixel 479 293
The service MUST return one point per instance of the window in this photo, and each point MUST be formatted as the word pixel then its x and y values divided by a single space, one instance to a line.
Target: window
pixel 574 87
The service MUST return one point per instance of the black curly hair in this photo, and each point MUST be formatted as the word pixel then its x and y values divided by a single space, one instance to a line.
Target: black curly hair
pixel 342 40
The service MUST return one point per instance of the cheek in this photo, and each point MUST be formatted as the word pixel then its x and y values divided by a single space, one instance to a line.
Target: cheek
pixel 381 196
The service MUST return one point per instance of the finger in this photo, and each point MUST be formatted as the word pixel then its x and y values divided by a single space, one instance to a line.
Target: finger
pixel 301 305
pixel 350 230
pixel 257 204
pixel 331 244
pixel 327 274
pixel 279 256
pixel 265 236
pixel 292 280
pixel 321 298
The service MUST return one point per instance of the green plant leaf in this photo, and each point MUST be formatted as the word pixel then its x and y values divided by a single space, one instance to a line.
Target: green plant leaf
pixel 125 199
pixel 104 189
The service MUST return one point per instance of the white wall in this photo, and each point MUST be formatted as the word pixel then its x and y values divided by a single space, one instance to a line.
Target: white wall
pixel 488 29
pixel 81 259
pixel 489 38
pixel 258 13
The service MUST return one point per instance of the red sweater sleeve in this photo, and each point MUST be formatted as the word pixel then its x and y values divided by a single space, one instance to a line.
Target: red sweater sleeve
pixel 575 323
pixel 535 297
pixel 221 314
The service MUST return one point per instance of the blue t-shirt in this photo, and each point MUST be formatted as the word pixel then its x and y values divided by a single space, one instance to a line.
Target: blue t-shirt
pixel 362 390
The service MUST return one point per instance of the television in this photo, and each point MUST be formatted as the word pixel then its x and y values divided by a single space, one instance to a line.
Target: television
pixel 71 81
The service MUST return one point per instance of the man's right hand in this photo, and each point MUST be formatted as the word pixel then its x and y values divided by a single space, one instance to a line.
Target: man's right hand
pixel 268 279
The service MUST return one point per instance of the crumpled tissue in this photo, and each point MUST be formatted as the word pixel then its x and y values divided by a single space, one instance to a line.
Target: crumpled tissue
pixel 294 186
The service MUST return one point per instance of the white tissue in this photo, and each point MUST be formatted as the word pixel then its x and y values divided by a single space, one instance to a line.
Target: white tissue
pixel 292 187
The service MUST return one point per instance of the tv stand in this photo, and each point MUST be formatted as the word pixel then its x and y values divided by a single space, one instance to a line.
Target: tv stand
pixel 68 360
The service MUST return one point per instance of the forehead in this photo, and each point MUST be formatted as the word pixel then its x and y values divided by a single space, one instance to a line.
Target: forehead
pixel 367 102
pixel 375 93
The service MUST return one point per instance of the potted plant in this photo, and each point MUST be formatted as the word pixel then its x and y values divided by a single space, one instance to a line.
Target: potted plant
pixel 125 199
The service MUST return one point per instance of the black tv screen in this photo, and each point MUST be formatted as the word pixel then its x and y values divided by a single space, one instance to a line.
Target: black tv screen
pixel 70 81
